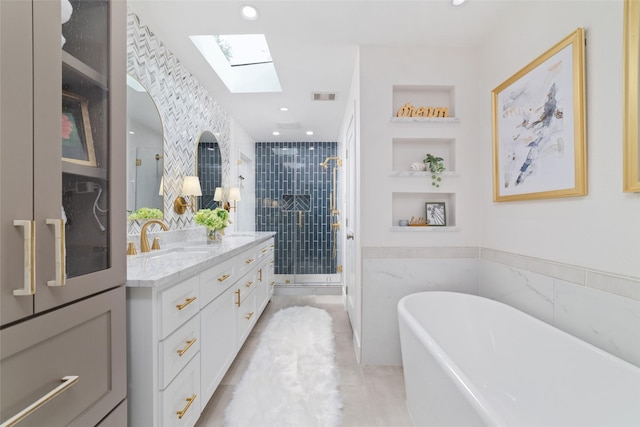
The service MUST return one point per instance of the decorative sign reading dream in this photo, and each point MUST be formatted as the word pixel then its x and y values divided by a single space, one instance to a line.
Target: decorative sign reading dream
pixel 408 110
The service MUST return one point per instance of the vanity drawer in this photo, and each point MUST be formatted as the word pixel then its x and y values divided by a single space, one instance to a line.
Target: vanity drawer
pixel 178 304
pixel 181 401
pixel 216 280
pixel 246 316
pixel 177 349
pixel 247 260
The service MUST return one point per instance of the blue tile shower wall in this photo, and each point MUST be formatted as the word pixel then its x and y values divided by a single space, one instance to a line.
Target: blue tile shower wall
pixel 292 199
pixel 210 172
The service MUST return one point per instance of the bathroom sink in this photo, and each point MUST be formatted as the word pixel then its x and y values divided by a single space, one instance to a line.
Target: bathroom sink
pixel 177 254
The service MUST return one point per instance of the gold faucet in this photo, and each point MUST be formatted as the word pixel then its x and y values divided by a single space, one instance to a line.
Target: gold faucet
pixel 144 242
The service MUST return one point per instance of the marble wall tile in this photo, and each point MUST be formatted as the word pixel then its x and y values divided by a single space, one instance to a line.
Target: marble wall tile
pixel 529 292
pixel 607 321
pixel 386 281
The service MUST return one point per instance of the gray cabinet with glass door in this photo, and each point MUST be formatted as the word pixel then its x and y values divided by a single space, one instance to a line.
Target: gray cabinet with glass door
pixel 62 219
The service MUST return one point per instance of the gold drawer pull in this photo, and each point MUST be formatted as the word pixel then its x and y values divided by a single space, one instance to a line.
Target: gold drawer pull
pixel 186 303
pixel 238 300
pixel 186 408
pixel 273 283
pixel 248 284
pixel 60 251
pixel 29 282
pixel 187 347
pixel 264 251
pixel 249 261
pixel 223 277
pixel 67 382
pixel 260 272
pixel 249 315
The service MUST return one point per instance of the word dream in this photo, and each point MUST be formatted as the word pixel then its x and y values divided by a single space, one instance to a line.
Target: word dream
pixel 408 110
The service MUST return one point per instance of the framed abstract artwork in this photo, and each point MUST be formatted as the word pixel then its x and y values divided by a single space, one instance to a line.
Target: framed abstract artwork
pixel 539 143
pixel 631 78
pixel 77 141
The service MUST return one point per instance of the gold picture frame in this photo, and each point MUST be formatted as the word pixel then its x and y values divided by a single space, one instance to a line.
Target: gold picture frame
pixel 76 138
pixel 539 137
pixel 631 161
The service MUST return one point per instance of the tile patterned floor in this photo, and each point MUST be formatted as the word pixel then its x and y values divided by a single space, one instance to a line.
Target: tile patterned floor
pixel 372 396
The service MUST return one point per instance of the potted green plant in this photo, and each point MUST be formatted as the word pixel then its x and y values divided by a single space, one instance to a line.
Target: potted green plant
pixel 146 213
pixel 215 220
pixel 435 165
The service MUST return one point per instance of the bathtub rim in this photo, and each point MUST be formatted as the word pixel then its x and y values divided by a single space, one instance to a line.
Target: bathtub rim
pixel 461 381
pixel 453 371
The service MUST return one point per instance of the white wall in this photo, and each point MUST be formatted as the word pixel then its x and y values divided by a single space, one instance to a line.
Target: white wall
pixel 602 230
pixel 572 262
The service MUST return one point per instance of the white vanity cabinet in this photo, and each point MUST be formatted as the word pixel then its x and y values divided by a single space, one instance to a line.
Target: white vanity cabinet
pixel 183 335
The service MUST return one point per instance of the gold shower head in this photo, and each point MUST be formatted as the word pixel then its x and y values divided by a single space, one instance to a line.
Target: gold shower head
pixel 326 161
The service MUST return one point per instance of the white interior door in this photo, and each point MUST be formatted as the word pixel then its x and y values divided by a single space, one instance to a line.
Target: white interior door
pixel 350 225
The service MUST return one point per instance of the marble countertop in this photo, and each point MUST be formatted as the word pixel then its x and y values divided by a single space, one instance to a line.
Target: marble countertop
pixel 180 261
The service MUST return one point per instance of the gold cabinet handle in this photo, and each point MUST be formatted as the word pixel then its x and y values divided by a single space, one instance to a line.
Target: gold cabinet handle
pixel 67 382
pixel 29 284
pixel 238 299
pixel 186 408
pixel 249 261
pixel 273 283
pixel 223 277
pixel 248 284
pixel 187 347
pixel 186 303
pixel 61 269
pixel 249 315
pixel 264 250
pixel 260 272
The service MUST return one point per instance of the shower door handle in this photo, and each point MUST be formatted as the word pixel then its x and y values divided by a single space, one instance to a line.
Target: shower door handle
pixel 300 220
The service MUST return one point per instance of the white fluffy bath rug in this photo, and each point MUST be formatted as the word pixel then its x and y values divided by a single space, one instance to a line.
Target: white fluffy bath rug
pixel 292 379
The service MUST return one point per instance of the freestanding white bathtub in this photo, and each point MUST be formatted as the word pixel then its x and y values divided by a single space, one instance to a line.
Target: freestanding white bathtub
pixel 471 361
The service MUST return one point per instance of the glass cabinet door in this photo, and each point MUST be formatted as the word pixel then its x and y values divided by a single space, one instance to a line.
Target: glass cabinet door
pixel 73 185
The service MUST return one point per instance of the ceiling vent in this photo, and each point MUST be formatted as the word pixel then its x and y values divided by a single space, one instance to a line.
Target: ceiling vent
pixel 324 96
pixel 291 125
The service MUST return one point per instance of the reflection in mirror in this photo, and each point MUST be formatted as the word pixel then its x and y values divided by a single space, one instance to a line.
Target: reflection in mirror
pixel 209 169
pixel 144 150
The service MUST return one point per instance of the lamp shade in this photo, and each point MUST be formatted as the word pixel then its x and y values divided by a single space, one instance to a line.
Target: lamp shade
pixel 234 193
pixel 217 196
pixel 191 186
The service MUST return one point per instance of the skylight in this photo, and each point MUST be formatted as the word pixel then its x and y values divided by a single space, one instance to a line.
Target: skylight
pixel 242 61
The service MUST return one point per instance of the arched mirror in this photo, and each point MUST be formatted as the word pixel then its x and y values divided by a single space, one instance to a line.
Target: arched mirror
pixel 209 168
pixel 145 150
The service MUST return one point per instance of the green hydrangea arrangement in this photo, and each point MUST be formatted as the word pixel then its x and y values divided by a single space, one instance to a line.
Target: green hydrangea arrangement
pixel 146 213
pixel 215 219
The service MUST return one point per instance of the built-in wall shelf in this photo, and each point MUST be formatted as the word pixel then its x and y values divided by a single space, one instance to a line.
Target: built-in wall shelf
pixel 422 174
pixel 427 229
pixel 424 119
pixel 439 96
pixel 406 151
pixel 406 205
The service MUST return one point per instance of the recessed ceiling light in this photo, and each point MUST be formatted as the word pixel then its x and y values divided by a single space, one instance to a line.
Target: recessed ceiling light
pixel 457 2
pixel 249 12
pixel 309 132
pixel 276 133
pixel 284 109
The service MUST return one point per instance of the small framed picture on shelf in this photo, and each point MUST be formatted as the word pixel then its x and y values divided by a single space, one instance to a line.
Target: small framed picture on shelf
pixel 77 141
pixel 436 213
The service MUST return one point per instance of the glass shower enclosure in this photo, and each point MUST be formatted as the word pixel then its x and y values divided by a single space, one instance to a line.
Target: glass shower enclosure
pixel 296 197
